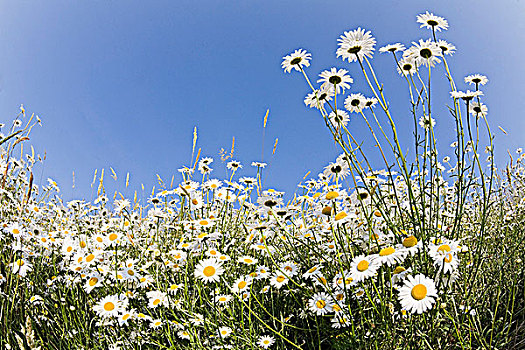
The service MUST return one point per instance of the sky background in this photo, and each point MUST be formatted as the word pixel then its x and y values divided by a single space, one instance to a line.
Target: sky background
pixel 123 83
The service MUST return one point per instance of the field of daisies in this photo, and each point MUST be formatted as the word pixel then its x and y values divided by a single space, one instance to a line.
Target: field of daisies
pixel 425 253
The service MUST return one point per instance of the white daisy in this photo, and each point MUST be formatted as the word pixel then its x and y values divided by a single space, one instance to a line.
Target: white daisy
pixel 431 21
pixel 363 267
pixel 209 270
pixel 337 78
pixel 417 294
pixel 296 60
pixel 320 304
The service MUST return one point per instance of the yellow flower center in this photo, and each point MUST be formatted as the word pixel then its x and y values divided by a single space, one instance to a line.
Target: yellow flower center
pixel 363 265
pixel 113 236
pixel 280 278
pixel 387 251
pixel 242 284
pixel 448 258
pixel 444 248
pixel 156 302
pixel 203 222
pixel 209 271
pixel 399 269
pixel 248 260
pixel 331 195
pixel 321 304
pixel 410 241
pixel 109 306
pixel 312 269
pixel 16 231
pixel 90 257
pixel 327 210
pixel 223 299
pixel 340 216
pixel 419 292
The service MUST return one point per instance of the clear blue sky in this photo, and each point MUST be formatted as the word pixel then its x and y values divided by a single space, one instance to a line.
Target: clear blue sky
pixel 123 83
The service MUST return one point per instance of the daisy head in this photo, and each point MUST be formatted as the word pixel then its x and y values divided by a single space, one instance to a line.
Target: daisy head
pixel 431 21
pixel 335 78
pixel 339 118
pixel 209 270
pixel 356 44
pixel 296 60
pixel 476 79
pixel 392 48
pixel 418 294
pixel 355 103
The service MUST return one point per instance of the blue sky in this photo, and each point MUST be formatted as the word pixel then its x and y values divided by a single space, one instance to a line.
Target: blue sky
pixel 123 83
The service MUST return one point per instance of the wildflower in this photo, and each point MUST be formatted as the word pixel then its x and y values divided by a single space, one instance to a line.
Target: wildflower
pixel 356 44
pixel 355 103
pixel 417 294
pixel 320 304
pixel 278 280
pixel 466 95
pixel 424 52
pixel 431 21
pixel 21 267
pixel 407 66
pixel 154 324
pixel 446 48
pixel 477 109
pixel 335 78
pixel 339 118
pixel 234 165
pixel 476 79
pixel 222 298
pixel 108 306
pixel 296 60
pixel 390 256
pixel 318 98
pixel 259 165
pixel 157 298
pixel 426 122
pixel 265 341
pixel 225 332
pixel 392 48
pixel 209 270
pixel 363 267
pixel 242 284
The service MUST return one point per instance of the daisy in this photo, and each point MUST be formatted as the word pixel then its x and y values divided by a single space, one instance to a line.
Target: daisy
pixel 476 79
pixel 296 60
pixel 477 109
pixel 21 267
pixel 363 267
pixel 356 44
pixel 389 256
pixel 448 264
pixel 234 165
pixel 407 66
pixel 209 270
pixel 341 118
pixel 154 324
pixel 265 341
pixel 318 98
pixel 417 294
pixel 426 122
pixel 289 267
pixel 341 320
pixel 466 95
pixel 335 78
pixel 242 284
pixel 94 281
pixel 262 272
pixel 355 103
pixel 225 332
pixel 392 48
pixel 431 21
pixel 247 260
pixel 157 298
pixel 425 52
pixel 108 306
pixel 278 280
pixel 223 298
pixel 446 48
pixel 320 304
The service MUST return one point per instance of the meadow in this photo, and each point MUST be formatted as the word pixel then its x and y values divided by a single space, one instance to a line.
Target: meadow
pixel 425 253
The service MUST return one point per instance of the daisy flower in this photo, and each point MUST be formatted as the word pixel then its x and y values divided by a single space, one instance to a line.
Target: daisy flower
pixel 247 260
pixel 265 341
pixel 426 122
pixel 476 79
pixel 341 118
pixel 296 60
pixel 320 304
pixel 21 267
pixel 356 44
pixel 209 270
pixel 417 294
pixel 425 52
pixel 392 48
pixel 157 298
pixel 446 48
pixel 242 284
pixel 335 78
pixel 363 267
pixel 318 98
pixel 407 66
pixel 108 306
pixel 389 256
pixel 466 95
pixel 278 280
pixel 225 332
pixel 431 21
pixel 477 109
pixel 355 103
pixel 234 165
pixel 223 298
